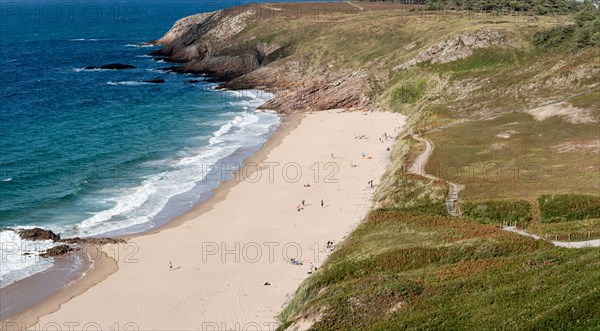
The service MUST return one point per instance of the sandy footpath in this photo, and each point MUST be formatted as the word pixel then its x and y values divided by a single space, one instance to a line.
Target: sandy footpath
pixel 222 256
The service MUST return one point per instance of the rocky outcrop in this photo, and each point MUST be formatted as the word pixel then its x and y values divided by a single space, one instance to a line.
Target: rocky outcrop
pixel 456 48
pixel 37 234
pixel 220 68
pixel 112 66
pixel 209 44
pixel 57 251
pixel 343 92
pixel 185 30
pixel 199 36
pixel 299 92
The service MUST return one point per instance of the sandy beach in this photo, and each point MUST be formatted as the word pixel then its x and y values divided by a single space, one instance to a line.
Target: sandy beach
pixel 226 264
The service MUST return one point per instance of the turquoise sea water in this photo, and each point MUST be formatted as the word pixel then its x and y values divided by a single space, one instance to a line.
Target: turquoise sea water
pixel 97 152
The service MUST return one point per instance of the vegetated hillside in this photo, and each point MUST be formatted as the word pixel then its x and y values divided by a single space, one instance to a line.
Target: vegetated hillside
pixel 405 269
pixel 392 56
pixel 509 99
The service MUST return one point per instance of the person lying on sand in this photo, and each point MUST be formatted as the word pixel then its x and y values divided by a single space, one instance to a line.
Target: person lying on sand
pixel 295 262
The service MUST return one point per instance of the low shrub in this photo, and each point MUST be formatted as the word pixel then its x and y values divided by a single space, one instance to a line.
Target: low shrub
pixel 553 37
pixel 408 93
pixel 568 207
pixel 511 211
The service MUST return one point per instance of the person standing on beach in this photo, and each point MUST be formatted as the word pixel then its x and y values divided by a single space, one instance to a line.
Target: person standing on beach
pixel 303 202
pixel 321 202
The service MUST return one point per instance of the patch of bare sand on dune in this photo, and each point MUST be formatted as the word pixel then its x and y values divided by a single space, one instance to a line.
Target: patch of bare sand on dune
pixel 565 110
pixel 506 134
pixel 581 146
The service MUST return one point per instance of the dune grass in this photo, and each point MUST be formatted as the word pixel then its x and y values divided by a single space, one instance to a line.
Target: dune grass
pixel 568 207
pixel 498 211
pixel 515 156
pixel 403 269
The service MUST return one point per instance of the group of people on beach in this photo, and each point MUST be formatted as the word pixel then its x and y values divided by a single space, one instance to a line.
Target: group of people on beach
pixel 383 138
pixel 329 244
pixel 302 204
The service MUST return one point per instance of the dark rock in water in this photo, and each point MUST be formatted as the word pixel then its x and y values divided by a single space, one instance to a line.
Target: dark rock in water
pixel 194 81
pixel 38 234
pixel 154 81
pixel 112 66
pixel 41 234
pixel 57 251
pixel 159 53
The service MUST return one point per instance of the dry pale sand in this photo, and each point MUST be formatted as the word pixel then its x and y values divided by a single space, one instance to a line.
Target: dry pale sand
pixel 564 110
pixel 223 256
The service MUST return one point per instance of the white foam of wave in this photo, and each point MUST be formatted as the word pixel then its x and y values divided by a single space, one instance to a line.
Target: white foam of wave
pixel 157 71
pixel 16 265
pixel 140 45
pixel 137 206
pixel 252 96
pixel 6 179
pixel 222 130
pixel 128 83
pixel 84 39
pixel 228 114
pixel 84 69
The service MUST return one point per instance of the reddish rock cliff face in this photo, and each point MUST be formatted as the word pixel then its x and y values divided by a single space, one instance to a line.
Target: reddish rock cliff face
pixel 206 44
